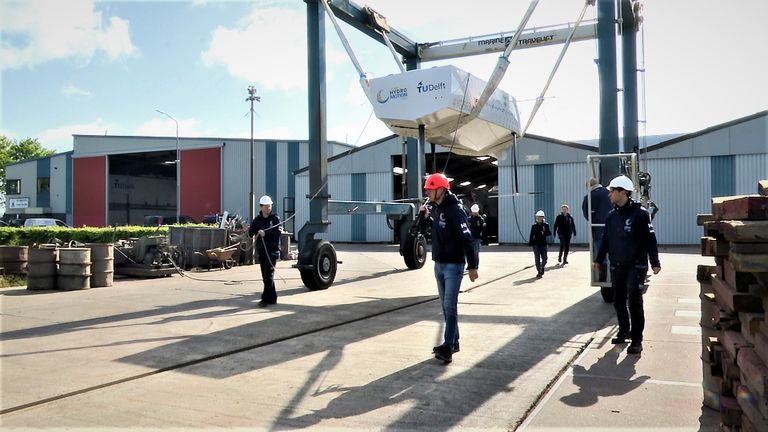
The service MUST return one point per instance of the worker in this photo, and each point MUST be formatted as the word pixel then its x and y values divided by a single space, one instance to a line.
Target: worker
pixel 601 206
pixel 476 227
pixel 564 229
pixel 451 251
pixel 538 240
pixel 266 226
pixel 630 242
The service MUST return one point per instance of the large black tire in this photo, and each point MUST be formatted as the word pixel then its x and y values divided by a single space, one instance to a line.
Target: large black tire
pixel 415 251
pixel 607 293
pixel 317 264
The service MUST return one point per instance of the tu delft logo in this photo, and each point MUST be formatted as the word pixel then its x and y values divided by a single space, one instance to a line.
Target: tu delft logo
pixel 425 88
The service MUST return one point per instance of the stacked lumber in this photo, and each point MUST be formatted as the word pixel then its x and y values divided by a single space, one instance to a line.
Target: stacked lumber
pixel 734 311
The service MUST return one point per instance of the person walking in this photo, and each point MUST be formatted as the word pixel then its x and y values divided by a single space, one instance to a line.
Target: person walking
pixel 630 242
pixel 451 250
pixel 266 226
pixel 601 206
pixel 564 229
pixel 476 227
pixel 538 240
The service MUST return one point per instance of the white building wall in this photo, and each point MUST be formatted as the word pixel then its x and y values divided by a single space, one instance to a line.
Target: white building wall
pixel 234 178
pixel 378 188
pixel 26 172
pixel 58 183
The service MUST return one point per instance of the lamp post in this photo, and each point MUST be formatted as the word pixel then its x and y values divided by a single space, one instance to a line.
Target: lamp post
pixel 178 167
pixel 252 200
pixel 251 197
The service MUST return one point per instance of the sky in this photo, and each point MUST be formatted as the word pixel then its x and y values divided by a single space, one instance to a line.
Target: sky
pixel 84 67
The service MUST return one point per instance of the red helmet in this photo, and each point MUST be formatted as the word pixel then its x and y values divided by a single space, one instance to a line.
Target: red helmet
pixel 436 180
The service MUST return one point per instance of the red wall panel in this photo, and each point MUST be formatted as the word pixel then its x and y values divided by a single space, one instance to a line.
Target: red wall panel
pixel 200 182
pixel 89 191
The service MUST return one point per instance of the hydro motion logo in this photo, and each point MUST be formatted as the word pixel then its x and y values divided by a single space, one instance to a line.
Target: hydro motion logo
pixel 382 96
pixel 425 88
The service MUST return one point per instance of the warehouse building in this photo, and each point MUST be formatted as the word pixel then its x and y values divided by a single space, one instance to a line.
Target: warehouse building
pixel 121 179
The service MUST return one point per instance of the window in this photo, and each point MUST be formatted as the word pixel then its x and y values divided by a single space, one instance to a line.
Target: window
pixel 12 187
pixel 43 184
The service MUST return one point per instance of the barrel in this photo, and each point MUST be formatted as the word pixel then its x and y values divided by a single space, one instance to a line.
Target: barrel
pixel 14 259
pixel 102 264
pixel 74 269
pixel 42 268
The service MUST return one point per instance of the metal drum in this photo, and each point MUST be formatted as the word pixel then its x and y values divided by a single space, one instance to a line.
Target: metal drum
pixel 14 259
pixel 102 264
pixel 42 268
pixel 74 269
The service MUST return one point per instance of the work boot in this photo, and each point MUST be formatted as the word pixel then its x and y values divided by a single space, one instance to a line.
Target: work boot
pixel 456 347
pixel 620 339
pixel 635 348
pixel 444 354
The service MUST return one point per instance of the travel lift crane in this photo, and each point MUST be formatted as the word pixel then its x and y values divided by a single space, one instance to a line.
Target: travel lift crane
pixel 484 123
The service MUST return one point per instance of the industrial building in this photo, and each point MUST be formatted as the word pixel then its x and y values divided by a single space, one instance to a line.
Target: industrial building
pixel 110 180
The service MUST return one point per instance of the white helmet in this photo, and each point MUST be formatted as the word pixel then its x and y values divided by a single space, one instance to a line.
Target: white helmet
pixel 265 200
pixel 623 182
pixel 540 213
pixel 475 208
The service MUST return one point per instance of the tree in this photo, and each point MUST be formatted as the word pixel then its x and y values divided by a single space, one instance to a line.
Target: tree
pixel 15 151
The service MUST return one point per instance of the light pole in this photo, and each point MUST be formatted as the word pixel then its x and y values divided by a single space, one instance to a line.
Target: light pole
pixel 251 197
pixel 178 167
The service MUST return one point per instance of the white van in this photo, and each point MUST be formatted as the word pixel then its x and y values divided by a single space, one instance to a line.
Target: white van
pixel 44 222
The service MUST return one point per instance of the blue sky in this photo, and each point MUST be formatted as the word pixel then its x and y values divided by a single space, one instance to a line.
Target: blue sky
pixel 84 67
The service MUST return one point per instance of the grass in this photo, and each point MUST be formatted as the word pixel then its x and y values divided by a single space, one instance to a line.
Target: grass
pixel 8 281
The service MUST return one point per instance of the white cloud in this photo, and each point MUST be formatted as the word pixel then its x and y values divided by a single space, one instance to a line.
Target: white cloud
pixel 71 90
pixel 267 48
pixel 167 127
pixel 60 139
pixel 37 31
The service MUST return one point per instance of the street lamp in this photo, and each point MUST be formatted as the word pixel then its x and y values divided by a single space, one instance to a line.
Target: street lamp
pixel 178 167
pixel 251 197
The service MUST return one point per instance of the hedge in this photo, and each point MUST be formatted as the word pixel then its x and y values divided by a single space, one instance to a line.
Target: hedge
pixel 40 235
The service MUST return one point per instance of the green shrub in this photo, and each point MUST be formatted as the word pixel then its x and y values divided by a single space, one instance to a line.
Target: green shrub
pixel 40 235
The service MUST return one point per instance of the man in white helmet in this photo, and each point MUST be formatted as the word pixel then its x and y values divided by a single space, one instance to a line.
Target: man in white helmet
pixel 538 240
pixel 630 242
pixel 267 229
pixel 476 227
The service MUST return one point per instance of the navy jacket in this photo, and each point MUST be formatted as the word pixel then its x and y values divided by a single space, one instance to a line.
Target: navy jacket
pixel 565 226
pixel 539 233
pixel 476 225
pixel 628 238
pixel 271 236
pixel 451 238
pixel 601 205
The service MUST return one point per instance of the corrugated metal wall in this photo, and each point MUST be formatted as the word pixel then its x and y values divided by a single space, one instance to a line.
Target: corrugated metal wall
pixel 681 189
pixel 570 188
pixel 722 175
pixel 750 169
pixel 377 188
pixel 516 213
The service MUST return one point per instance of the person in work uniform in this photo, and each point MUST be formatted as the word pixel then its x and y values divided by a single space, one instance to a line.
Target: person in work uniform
pixel 476 227
pixel 601 206
pixel 538 240
pixel 564 229
pixel 451 250
pixel 630 242
pixel 267 229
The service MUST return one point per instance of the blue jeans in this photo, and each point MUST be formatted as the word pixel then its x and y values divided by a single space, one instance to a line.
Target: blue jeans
pixel 448 276
pixel 540 256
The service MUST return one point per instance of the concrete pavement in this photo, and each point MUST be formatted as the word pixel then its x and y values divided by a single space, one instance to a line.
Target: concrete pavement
pixel 197 353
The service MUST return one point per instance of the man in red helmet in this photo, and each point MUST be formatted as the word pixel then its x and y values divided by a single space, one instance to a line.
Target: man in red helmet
pixel 451 251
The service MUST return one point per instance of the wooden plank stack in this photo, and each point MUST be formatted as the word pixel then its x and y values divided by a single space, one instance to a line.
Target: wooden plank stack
pixel 734 310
